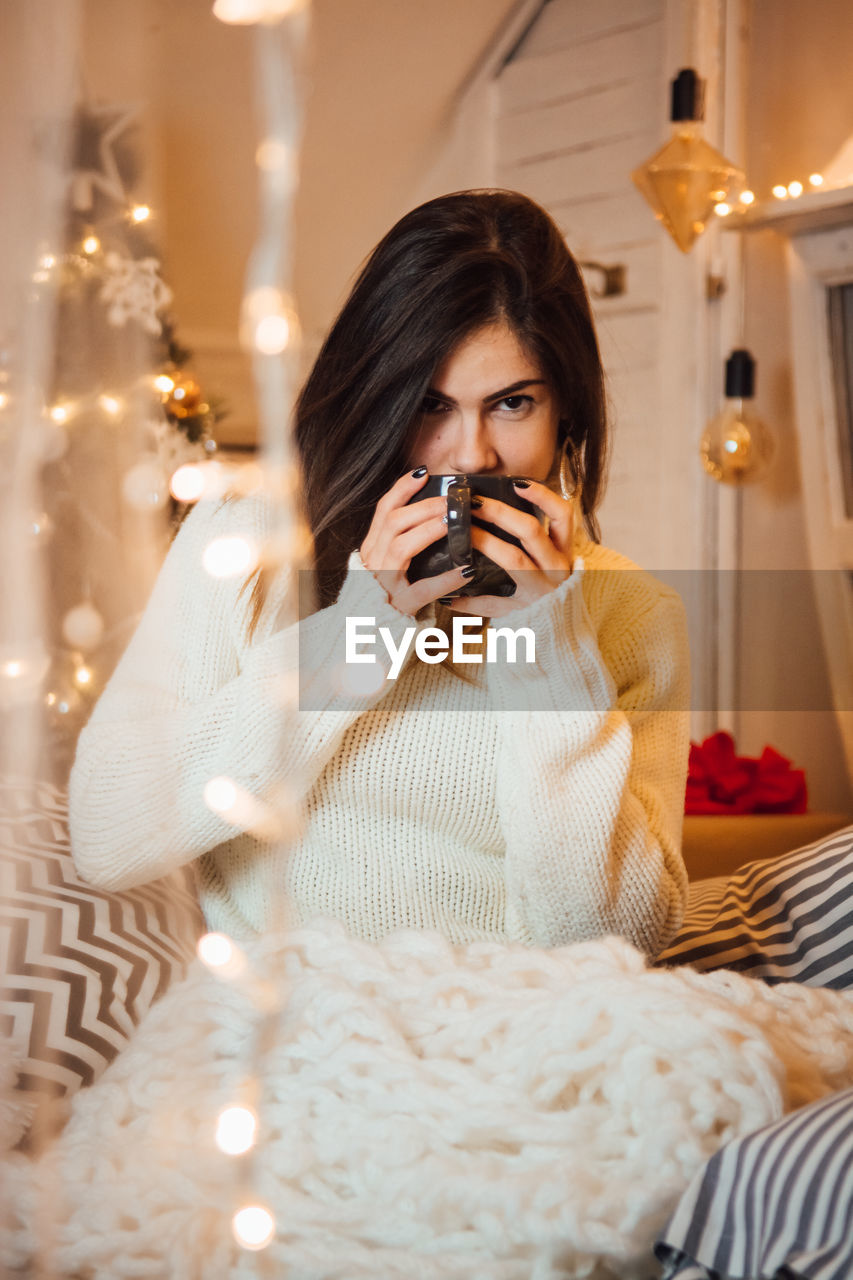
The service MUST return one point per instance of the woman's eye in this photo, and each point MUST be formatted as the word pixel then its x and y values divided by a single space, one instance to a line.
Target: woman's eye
pixel 430 405
pixel 513 403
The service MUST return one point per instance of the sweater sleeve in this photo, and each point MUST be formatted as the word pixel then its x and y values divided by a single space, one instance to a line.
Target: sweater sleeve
pixel 189 701
pixel 592 764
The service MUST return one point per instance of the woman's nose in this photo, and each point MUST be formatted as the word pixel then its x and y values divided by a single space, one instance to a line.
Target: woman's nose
pixel 471 450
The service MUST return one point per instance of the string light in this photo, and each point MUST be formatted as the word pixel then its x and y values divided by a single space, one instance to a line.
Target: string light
pixel 747 197
pixel 241 809
pixel 722 209
pixel 110 405
pixel 236 1130
pixel 780 192
pixel 140 213
pixel 816 179
pixel 164 383
pixel 795 189
pixel 274 156
pixel 187 483
pixel 220 955
pixel 268 324
pixel 83 675
pixel 253 1226
pixel 4 399
pixel 91 244
pixel 220 795
pixel 227 556
pixel 241 12
pixel 215 949
pixel 60 413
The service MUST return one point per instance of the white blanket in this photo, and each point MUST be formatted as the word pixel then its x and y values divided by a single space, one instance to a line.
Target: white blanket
pixel 445 1113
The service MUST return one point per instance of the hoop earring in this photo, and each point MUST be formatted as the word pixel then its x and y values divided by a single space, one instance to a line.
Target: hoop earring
pixel 570 485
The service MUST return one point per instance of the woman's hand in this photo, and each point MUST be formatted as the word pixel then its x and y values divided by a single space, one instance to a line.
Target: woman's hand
pixel 397 533
pixel 539 565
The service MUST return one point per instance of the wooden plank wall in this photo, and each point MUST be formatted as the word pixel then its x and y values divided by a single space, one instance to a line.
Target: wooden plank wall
pixel 581 103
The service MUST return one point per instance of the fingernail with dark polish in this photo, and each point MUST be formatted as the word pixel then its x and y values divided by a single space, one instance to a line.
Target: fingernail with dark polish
pixel 445 600
pixel 469 572
pixel 521 484
pixel 419 471
pixel 476 502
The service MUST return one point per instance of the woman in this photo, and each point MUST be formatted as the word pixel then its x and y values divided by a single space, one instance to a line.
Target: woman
pixel 548 808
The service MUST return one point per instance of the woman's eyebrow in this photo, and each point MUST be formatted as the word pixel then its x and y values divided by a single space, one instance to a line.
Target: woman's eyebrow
pixel 493 395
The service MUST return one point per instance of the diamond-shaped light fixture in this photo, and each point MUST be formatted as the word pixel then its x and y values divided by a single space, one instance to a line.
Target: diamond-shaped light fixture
pixel 687 177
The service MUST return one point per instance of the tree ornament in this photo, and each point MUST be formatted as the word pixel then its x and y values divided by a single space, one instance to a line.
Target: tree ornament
pixel 184 400
pixel 737 448
pixel 83 627
pixel 133 290
pixel 686 178
pixel 93 164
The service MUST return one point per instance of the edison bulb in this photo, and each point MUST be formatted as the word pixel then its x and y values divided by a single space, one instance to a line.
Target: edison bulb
pixel 736 448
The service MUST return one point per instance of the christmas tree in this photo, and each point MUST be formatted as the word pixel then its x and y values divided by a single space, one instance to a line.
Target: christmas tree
pixel 124 415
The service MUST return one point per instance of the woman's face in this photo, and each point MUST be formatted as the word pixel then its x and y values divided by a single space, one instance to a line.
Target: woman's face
pixel 488 411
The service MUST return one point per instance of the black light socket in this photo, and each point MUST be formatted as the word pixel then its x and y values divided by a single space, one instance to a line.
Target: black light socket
pixel 688 96
pixel 740 375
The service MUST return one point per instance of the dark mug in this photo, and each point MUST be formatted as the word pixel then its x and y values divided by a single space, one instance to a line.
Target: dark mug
pixel 455 551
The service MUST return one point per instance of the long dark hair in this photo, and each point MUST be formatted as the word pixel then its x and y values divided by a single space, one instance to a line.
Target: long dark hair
pixel 443 271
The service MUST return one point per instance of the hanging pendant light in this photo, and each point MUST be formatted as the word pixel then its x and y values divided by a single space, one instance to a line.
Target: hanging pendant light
pixel 737 447
pixel 685 179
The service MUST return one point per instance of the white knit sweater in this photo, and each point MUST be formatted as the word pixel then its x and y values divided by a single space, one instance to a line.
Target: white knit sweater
pixel 538 804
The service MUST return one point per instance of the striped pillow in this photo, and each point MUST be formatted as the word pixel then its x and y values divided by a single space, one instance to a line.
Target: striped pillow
pixel 776 1203
pixel 787 919
pixel 80 966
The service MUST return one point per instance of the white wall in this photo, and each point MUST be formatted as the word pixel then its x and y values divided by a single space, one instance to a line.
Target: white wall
pixel 584 101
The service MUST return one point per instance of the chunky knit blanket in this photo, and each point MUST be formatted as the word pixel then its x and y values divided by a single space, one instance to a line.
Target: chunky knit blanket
pixel 485 1112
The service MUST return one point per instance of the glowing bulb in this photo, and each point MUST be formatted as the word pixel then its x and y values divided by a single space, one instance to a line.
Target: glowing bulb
pixel 179 393
pixel 254 1227
pixel 795 189
pixel 215 949
pixel 187 483
pixel 780 192
pixel 747 197
pixel 109 404
pixel 22 674
pixel 91 244
pixel 141 213
pixel 267 322
pixel 47 261
pixel 4 399
pixel 227 556
pixel 59 413
pixel 83 627
pixel 272 155
pixel 236 1130
pixel 222 957
pixel 245 11
pixel 816 179
pixel 164 383
pixel 220 795
pixel 83 675
pixel 722 209
pixel 272 335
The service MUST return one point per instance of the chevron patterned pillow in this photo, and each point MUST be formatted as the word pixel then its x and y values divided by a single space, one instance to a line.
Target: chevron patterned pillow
pixel 79 967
